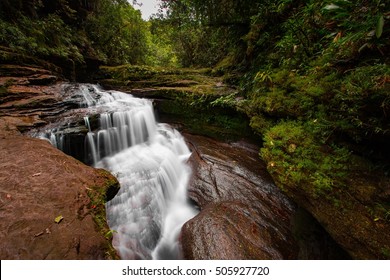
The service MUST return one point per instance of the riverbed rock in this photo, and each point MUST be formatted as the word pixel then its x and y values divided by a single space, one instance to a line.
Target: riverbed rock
pixel 31 91
pixel 51 205
pixel 234 230
pixel 243 214
pixel 39 184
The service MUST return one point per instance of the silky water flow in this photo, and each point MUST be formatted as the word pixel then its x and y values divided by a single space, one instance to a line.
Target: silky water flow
pixel 149 161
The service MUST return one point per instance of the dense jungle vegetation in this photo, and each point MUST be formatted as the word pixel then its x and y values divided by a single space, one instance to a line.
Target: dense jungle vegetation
pixel 311 76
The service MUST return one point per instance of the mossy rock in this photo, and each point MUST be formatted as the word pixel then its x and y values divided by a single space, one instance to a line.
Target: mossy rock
pixel 99 197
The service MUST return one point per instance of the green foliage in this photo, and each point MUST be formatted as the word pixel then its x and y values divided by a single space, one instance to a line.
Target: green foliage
pixel 202 118
pixel 48 36
pixel 226 101
pixel 118 32
pixel 379 26
pixel 109 31
pixel 358 25
pixel 160 43
pixel 260 124
pixel 203 31
pixel 363 102
pixel 354 104
pixel 296 159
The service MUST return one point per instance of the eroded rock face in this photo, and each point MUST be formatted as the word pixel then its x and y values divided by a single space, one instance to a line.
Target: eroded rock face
pixel 243 214
pixel 39 183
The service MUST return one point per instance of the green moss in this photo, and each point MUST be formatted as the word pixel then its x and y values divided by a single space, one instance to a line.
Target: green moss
pixel 386 253
pixel 98 197
pixel 194 81
pixel 260 124
pixel 226 64
pixel 199 117
pixel 296 160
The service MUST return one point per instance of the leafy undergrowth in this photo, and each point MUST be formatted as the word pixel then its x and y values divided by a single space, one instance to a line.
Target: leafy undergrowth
pixel 327 112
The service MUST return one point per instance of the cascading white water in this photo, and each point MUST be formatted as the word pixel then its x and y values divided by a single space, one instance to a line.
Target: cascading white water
pixel 148 159
pixel 152 200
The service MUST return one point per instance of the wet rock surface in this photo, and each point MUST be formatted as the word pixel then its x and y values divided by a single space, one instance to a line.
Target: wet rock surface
pixel 39 183
pixel 243 214
pixel 30 92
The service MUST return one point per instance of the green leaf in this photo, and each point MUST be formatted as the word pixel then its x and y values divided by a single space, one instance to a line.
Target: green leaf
pixel 379 27
pixel 58 219
pixel 110 233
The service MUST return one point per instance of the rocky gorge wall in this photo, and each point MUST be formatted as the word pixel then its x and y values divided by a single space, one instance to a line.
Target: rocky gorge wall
pixel 52 205
pixel 354 213
pixel 243 215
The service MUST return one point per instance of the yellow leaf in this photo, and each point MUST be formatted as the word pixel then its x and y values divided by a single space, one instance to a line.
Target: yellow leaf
pixel 58 219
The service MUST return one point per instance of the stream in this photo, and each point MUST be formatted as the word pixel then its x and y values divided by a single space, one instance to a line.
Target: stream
pixel 240 214
pixel 148 159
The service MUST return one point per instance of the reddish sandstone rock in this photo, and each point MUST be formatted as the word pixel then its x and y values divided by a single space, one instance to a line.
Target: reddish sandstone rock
pixel 234 230
pixel 39 183
pixel 243 214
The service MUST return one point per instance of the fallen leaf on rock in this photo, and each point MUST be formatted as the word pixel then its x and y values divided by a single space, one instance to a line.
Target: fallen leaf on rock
pixel 58 219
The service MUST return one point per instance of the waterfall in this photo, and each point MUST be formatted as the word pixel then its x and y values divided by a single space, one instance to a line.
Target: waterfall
pixel 149 161
pixel 87 124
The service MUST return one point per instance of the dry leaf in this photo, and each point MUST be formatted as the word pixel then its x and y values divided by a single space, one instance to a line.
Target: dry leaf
pixel 58 219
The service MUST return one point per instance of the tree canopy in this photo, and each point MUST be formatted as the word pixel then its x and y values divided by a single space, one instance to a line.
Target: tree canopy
pixel 111 31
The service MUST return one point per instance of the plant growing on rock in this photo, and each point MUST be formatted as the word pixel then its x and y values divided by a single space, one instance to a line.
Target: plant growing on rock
pixel 296 160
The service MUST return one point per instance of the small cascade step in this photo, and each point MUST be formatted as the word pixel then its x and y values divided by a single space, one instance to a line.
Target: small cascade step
pixel 118 132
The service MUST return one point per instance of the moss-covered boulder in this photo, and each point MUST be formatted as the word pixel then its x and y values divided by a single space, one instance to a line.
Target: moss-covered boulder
pixel 349 199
